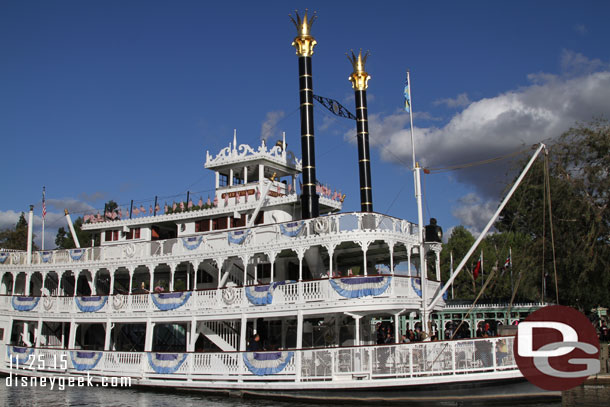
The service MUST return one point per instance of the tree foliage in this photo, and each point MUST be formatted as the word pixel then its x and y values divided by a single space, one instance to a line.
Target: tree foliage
pixel 578 176
pixel 64 239
pixel 17 238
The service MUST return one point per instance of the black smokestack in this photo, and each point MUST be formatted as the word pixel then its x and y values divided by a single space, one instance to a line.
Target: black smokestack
pixel 304 44
pixel 359 79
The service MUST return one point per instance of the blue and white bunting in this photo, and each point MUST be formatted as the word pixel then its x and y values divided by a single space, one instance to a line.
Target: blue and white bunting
pixel 238 237
pixel 262 294
pixel 292 229
pixel 45 256
pixel 356 287
pixel 192 243
pixel 22 303
pixel 85 360
pixel 166 363
pixel 267 363
pixel 170 301
pixel 3 257
pixel 416 284
pixel 19 354
pixel 91 304
pixel 76 254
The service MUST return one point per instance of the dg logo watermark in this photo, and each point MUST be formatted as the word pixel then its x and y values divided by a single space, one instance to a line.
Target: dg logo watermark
pixel 556 348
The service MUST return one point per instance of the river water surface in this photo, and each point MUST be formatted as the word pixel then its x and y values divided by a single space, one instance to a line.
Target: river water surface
pixel 586 395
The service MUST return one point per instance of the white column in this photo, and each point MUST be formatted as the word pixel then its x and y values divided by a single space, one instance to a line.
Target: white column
pixel 299 344
pixel 190 346
pixel 217 179
pixel 29 244
pixel 438 265
pixel 150 326
pixel 246 174
pixel 107 336
pixel 261 177
pixel 357 329
pixel 364 250
pixel 243 332
pixel 231 177
pixel 72 335
pixel 111 288
pixel 38 333
pixel 396 328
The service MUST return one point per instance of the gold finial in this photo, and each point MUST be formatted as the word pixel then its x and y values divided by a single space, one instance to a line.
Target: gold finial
pixel 359 78
pixel 304 42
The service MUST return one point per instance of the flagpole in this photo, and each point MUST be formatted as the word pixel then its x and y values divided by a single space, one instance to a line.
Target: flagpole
pixel 420 217
pixel 44 212
pixel 451 272
pixel 482 271
pixel 510 264
pixel 411 116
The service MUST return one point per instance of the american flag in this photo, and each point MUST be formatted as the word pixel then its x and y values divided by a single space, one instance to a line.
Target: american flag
pixel 44 206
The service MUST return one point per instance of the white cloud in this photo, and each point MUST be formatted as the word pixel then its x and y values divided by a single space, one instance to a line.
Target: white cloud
pixel 72 205
pixel 53 221
pixel 461 100
pixel 268 128
pixel 93 197
pixel 580 29
pixel 8 219
pixel 474 213
pixel 574 63
pixel 499 125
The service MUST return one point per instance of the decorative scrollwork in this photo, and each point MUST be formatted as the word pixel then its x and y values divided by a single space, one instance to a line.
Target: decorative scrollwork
pixel 321 225
pixel 130 250
pixel 229 295
pixel 118 301
pixel 47 303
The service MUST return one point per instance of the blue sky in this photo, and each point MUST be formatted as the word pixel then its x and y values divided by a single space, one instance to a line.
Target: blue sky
pixel 120 100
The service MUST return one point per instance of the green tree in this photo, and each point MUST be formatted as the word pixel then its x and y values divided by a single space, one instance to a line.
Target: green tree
pixel 579 180
pixel 64 239
pixel 17 238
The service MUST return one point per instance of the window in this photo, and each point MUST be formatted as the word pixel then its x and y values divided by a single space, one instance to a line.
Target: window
pixel 202 225
pixel 112 235
pixel 260 219
pixel 134 233
pixel 223 180
pixel 219 223
pixel 237 180
pixel 238 222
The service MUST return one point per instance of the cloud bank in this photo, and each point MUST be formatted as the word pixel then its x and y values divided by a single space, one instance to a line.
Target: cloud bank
pixel 499 125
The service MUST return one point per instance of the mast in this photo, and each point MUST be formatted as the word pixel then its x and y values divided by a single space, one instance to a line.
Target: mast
pixel 420 213
pixel 304 44
pixel 359 79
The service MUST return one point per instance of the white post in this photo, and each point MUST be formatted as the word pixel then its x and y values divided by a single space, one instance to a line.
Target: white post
pixel 30 226
pixel 451 272
pixel 243 332
pixel 71 226
pixel 423 272
pixel 107 336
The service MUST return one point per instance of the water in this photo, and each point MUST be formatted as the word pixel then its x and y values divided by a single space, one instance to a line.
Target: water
pixel 586 395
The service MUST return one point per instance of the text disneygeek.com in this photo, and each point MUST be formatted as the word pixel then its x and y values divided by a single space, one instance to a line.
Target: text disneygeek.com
pixel 61 382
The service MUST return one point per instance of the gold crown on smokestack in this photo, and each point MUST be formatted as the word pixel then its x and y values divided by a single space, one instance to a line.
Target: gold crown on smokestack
pixel 359 78
pixel 304 42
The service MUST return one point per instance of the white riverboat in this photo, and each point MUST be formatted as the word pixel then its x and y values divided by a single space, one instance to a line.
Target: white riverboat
pixel 267 290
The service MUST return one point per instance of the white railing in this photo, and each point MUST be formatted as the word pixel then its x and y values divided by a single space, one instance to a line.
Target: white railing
pixel 338 224
pixel 211 301
pixel 436 361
